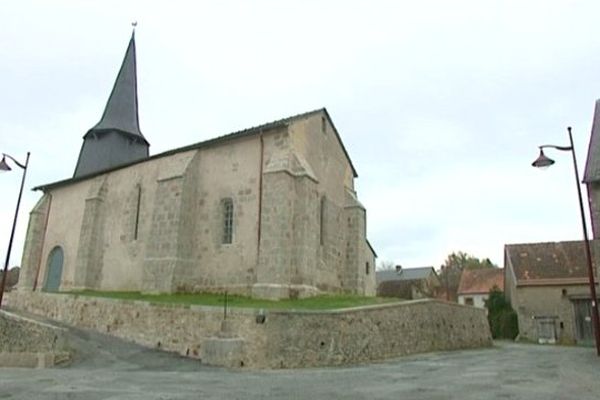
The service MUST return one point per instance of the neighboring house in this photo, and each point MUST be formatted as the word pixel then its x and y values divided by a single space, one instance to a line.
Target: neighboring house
pixel 475 285
pixel 270 211
pixel 547 285
pixel 407 283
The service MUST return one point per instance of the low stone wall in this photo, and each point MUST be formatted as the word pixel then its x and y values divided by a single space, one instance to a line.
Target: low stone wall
pixel 372 333
pixel 274 339
pixel 176 328
pixel 28 343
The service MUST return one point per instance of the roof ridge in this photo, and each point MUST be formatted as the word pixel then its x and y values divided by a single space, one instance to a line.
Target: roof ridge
pixel 542 243
pixel 208 142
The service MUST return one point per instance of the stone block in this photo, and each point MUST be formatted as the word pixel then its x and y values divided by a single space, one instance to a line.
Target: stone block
pixel 223 352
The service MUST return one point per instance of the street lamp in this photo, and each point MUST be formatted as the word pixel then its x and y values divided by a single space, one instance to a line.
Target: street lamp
pixel 544 162
pixel 5 167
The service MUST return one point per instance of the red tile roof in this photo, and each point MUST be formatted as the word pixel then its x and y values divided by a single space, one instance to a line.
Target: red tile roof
pixel 480 280
pixel 537 262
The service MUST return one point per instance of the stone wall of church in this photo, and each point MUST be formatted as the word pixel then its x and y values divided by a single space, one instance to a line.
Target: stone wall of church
pixel 32 250
pixel 315 140
pixel 289 225
pixel 90 250
pixel 63 229
pixel 230 171
pixel 96 223
pixel 158 225
pixel 343 250
pixel 355 270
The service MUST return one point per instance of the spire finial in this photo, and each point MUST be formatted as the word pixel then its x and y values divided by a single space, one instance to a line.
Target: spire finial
pixel 134 24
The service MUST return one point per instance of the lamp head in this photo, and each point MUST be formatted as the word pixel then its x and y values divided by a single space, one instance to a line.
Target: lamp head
pixel 542 161
pixel 3 165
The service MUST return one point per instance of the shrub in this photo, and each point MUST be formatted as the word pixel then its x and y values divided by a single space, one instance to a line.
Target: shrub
pixel 501 317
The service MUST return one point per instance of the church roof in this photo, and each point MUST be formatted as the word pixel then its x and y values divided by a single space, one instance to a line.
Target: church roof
pixel 121 111
pixel 592 165
pixel 207 143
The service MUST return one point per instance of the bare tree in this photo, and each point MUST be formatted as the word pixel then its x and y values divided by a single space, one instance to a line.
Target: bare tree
pixel 386 265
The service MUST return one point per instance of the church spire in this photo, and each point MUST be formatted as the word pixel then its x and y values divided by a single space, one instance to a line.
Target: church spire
pixel 121 111
pixel 592 165
pixel 117 138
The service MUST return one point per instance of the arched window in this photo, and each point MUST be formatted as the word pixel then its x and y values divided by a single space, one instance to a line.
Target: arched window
pixel 54 273
pixel 227 210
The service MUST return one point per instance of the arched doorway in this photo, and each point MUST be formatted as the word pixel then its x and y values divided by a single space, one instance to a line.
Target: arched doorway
pixel 55 265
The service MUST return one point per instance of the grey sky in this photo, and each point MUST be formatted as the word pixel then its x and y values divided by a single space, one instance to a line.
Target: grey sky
pixel 441 105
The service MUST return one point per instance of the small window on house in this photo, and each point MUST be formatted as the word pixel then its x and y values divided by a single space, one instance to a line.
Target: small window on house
pixel 469 301
pixel 227 209
pixel 323 125
pixel 367 268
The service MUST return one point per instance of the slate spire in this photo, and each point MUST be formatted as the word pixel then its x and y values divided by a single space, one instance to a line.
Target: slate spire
pixel 121 111
pixel 117 138
pixel 592 165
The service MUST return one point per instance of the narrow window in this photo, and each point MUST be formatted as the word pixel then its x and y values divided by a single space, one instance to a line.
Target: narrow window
pixel 227 221
pixel 367 268
pixel 137 212
pixel 322 221
pixel 323 125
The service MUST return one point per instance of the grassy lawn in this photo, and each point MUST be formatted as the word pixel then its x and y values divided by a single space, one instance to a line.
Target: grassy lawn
pixel 327 302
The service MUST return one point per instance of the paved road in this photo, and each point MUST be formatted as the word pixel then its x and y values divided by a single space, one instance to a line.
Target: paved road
pixel 107 368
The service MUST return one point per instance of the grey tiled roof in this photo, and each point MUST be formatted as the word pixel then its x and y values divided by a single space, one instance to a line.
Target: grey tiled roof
pixel 592 165
pixel 121 111
pixel 405 274
pixel 207 143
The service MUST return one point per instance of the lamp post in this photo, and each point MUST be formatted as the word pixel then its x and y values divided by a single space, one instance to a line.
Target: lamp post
pixel 542 162
pixel 5 167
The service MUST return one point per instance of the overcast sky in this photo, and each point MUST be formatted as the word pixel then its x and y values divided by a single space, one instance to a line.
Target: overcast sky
pixel 441 105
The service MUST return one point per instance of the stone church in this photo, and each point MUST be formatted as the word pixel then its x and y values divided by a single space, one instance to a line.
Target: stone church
pixel 269 211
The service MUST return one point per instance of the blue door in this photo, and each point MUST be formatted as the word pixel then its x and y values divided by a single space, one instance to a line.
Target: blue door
pixel 55 265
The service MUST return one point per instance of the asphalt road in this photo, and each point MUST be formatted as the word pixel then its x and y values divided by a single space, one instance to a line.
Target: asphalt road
pixel 108 368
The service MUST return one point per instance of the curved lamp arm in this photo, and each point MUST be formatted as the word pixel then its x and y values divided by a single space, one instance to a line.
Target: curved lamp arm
pixel 562 148
pixel 23 166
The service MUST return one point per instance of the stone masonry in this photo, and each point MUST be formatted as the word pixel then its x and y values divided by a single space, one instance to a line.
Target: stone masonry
pixel 157 225
pixel 273 339
pixel 28 343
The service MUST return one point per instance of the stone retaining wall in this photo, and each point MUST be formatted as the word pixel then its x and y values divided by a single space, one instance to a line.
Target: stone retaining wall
pixel 372 333
pixel 282 339
pixel 28 343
